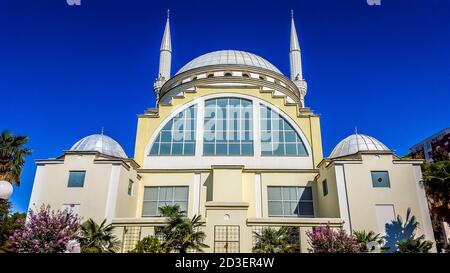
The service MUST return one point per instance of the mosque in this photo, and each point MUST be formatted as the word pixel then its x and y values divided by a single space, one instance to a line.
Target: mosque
pixel 231 139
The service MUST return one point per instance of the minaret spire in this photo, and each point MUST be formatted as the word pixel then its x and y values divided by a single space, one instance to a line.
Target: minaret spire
pixel 296 61
pixel 165 59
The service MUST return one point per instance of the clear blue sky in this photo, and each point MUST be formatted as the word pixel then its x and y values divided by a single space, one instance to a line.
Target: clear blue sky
pixel 67 71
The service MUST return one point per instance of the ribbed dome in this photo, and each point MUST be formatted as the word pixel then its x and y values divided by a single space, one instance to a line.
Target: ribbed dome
pixel 229 57
pixel 99 143
pixel 355 143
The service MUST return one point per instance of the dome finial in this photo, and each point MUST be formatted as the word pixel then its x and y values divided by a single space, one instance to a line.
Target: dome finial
pixel 168 13
pixel 292 14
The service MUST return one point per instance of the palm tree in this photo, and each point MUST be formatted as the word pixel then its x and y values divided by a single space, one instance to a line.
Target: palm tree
pixel 98 238
pixel 149 244
pixel 272 240
pixel 181 234
pixel 418 245
pixel 12 156
pixel 364 239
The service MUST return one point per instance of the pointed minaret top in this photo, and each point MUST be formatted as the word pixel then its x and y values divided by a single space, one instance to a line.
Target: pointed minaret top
pixel 166 43
pixel 294 40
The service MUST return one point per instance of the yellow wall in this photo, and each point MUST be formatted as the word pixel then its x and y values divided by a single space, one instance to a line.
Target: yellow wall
pixel 310 125
pixel 328 205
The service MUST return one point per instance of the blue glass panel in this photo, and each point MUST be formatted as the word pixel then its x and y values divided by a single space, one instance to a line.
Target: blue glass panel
pixel 175 134
pixel 380 179
pixel 155 149
pixel 291 149
pixel 177 149
pixel 164 149
pixel 189 149
pixel 229 128
pixel 208 149
pixel 275 128
pixel 76 179
pixel 247 149
pixel 221 149
pixel 234 149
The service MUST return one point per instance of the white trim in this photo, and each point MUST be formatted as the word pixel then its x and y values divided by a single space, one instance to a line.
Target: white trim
pixel 423 205
pixel 111 199
pixel 256 161
pixel 197 190
pixel 258 197
pixel 38 185
pixel 344 212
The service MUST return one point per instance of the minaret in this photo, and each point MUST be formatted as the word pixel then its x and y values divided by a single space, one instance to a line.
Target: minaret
pixel 165 58
pixel 296 62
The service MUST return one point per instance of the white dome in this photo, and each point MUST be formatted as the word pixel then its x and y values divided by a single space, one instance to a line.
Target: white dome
pixel 355 143
pixel 229 57
pixel 99 143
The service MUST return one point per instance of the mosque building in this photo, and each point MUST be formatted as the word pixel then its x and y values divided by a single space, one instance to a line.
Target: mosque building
pixel 231 139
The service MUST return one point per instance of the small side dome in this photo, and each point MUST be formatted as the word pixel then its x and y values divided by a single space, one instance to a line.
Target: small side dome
pixel 356 143
pixel 99 143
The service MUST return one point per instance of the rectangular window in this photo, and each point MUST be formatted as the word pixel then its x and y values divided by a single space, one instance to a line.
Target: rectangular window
pixel 380 179
pixel 157 197
pixel 286 201
pixel 325 187
pixel 228 127
pixel 76 179
pixel 130 187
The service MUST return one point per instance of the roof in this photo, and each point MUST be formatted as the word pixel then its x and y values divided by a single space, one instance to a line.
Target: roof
pixel 229 57
pixel 99 143
pixel 356 143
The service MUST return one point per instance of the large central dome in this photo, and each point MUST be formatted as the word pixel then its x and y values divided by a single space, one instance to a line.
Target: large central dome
pixel 229 57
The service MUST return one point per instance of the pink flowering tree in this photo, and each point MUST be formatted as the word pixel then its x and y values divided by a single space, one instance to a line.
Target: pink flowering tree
pixel 324 239
pixel 46 231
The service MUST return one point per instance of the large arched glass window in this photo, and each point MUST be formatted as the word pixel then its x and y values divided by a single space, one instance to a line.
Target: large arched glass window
pixel 177 137
pixel 228 127
pixel 278 138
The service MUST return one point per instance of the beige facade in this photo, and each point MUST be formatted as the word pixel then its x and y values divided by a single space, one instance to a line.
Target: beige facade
pixel 270 175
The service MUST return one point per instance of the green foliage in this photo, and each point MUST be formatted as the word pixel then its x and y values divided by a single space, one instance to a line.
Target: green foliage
pixel 149 244
pixel 98 238
pixel 366 239
pixel 271 240
pixel 181 234
pixel 12 156
pixel 436 178
pixel 417 245
pixel 440 154
pixel 8 224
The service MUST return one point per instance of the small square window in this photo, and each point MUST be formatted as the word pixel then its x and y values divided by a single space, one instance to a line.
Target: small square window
pixel 76 179
pixel 380 179
pixel 130 187
pixel 325 187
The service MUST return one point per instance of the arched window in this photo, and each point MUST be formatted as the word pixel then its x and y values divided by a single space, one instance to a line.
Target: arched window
pixel 177 137
pixel 245 75
pixel 278 137
pixel 228 128
pixel 228 74
pixel 210 75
